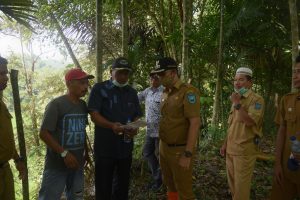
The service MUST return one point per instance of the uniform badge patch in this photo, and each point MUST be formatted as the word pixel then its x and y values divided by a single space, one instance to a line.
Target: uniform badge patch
pixel 191 98
pixel 257 106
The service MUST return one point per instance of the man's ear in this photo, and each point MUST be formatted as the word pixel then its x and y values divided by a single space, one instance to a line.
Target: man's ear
pixel 68 83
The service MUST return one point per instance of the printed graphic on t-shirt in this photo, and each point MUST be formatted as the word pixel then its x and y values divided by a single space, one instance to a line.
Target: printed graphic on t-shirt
pixel 73 134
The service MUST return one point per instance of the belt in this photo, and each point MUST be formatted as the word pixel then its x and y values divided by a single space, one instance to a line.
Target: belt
pixel 176 145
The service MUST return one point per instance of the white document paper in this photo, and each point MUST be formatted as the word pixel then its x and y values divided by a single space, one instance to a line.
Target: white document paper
pixel 135 125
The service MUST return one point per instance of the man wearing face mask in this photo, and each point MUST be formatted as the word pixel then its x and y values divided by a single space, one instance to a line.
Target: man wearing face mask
pixel 112 104
pixel 178 130
pixel 244 130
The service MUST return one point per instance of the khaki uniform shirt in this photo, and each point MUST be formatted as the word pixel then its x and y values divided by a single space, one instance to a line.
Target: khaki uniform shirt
pixel 288 113
pixel 7 143
pixel 240 138
pixel 177 106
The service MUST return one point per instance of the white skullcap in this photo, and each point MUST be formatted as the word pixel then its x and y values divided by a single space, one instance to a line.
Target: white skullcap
pixel 244 70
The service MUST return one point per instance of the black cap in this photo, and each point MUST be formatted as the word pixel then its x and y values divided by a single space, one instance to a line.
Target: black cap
pixel 120 64
pixel 164 64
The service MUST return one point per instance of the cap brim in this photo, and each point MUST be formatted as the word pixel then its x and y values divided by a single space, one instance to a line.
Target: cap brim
pixel 158 71
pixel 122 68
pixel 244 73
pixel 85 77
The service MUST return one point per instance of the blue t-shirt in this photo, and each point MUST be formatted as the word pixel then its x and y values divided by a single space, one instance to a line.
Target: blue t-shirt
pixel 66 122
pixel 116 105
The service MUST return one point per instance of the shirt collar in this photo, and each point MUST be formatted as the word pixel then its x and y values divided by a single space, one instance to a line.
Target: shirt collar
pixel 247 93
pixel 156 89
pixel 178 84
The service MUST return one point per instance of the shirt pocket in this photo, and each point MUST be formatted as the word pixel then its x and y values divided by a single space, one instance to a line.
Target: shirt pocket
pixel 230 118
pixel 290 117
pixel 131 108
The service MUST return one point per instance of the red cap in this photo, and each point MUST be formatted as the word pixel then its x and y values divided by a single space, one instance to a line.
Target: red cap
pixel 76 74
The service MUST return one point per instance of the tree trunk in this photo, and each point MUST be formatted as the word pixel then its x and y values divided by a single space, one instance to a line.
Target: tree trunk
pixel 29 90
pixel 65 40
pixel 20 130
pixel 186 29
pixel 218 92
pixel 295 32
pixel 99 43
pixel 125 28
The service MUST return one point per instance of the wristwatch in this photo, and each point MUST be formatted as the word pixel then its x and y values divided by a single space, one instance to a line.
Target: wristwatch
pixel 237 106
pixel 188 154
pixel 64 153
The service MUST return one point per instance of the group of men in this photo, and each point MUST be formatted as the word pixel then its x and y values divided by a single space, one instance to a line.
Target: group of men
pixel 173 121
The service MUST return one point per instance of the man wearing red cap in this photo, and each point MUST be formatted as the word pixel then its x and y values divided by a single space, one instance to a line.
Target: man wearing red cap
pixel 63 131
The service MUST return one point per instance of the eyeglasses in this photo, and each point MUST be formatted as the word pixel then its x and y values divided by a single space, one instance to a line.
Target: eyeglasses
pixel 161 74
pixel 154 77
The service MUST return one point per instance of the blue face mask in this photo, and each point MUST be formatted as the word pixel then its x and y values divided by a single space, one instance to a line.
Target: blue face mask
pixel 241 91
pixel 116 83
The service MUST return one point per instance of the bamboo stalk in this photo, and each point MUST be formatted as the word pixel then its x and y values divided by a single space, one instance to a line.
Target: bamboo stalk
pixel 20 129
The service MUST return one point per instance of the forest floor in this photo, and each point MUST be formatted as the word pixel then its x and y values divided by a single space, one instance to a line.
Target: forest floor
pixel 210 181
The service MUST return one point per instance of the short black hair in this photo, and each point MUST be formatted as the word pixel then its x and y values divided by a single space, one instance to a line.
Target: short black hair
pixel 3 61
pixel 297 60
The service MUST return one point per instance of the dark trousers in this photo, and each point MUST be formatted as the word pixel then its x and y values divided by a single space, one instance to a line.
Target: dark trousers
pixel 150 153
pixel 112 178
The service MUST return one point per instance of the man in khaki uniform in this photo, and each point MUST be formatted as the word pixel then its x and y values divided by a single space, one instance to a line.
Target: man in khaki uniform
pixel 7 144
pixel 244 130
pixel 178 131
pixel 286 181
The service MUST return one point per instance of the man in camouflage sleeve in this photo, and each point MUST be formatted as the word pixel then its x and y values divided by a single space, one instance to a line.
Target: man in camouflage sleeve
pixel 7 144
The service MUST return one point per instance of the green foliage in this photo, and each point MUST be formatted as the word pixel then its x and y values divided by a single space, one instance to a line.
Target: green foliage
pixel 256 34
pixel 19 10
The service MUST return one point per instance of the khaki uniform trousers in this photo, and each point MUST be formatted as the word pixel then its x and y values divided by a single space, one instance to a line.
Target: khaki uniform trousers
pixel 7 190
pixel 175 177
pixel 239 174
pixel 289 191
